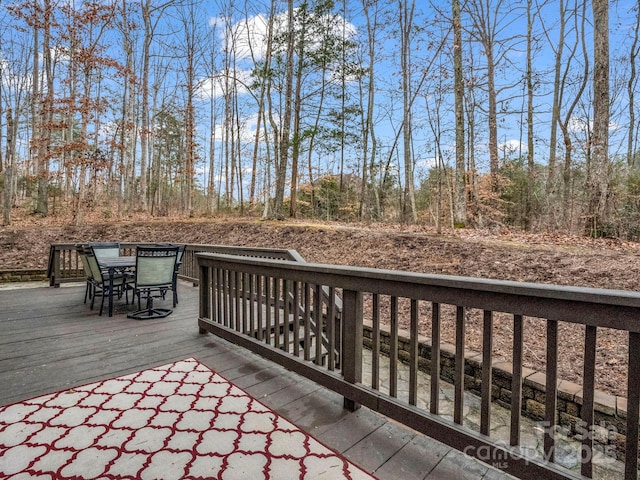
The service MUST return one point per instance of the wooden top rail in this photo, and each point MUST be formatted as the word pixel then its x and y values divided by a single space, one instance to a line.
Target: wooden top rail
pixel 617 309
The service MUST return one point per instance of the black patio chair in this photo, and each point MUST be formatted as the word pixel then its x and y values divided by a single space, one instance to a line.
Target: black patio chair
pixel 100 281
pixel 181 249
pixel 88 291
pixel 154 276
pixel 104 249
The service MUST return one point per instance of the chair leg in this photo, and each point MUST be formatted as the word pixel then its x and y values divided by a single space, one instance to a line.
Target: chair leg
pixel 102 302
pixel 175 288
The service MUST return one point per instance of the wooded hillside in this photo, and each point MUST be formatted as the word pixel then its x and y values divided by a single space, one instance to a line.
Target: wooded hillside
pixel 484 113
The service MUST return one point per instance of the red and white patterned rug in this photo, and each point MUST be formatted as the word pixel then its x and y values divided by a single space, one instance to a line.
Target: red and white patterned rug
pixel 177 421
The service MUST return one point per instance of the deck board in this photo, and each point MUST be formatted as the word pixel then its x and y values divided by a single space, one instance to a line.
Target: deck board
pixel 50 340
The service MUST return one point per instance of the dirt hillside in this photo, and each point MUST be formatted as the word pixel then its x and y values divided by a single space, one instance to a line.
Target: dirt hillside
pixel 534 258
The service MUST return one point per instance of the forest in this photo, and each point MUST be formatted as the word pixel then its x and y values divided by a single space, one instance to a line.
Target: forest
pixel 451 114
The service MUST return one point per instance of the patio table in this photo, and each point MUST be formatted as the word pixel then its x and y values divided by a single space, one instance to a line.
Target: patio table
pixel 113 265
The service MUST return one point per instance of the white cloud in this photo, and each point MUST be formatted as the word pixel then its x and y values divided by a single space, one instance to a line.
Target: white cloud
pixel 512 147
pixel 247 39
pixel 427 163
pixel 578 125
pixel 215 86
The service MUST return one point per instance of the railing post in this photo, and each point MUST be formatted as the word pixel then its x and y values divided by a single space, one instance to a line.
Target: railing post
pixel 205 294
pixel 352 341
pixel 55 278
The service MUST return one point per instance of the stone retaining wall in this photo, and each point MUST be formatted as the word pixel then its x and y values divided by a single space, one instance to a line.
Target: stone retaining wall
pixel 35 275
pixel 610 412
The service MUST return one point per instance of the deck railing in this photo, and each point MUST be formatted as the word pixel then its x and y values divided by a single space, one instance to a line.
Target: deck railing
pixel 277 307
pixel 64 264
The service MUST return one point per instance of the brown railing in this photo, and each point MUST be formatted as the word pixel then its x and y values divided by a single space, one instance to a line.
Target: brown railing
pixel 277 307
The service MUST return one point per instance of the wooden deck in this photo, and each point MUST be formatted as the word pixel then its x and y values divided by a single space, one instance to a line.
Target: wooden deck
pixel 50 340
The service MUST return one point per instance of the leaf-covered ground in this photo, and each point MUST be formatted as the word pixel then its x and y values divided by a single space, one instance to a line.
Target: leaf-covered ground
pixel 552 259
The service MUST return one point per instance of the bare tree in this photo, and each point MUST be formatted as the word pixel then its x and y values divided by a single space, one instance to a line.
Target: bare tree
pixel 369 143
pixel 564 120
pixel 460 198
pixel 558 46
pixel 598 176
pixel 45 114
pixel 284 140
pixel 192 57
pixel 490 28
pixel 9 169
pixel 406 26
pixel 127 128
pixel 634 52
pixel 87 29
pixel 152 12
pixel 530 143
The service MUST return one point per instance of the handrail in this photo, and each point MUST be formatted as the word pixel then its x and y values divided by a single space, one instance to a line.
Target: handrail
pixel 232 305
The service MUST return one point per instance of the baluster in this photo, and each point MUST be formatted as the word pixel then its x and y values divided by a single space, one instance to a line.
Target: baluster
pixel 287 314
pixel 458 402
pixel 393 349
pixel 551 390
pixel 633 403
pixel 435 359
pixel 219 293
pixel 307 321
pixel 331 334
pixel 296 318
pixel 277 324
pixel 260 305
pixel 226 297
pixel 267 294
pixel 317 314
pixel 413 354
pixel 588 391
pixel 375 339
pixel 251 300
pixel 487 371
pixel 516 382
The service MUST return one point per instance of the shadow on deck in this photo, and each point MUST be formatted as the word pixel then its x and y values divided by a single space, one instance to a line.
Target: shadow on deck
pixel 51 341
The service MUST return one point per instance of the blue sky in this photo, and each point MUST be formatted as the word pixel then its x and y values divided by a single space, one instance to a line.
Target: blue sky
pixel 250 23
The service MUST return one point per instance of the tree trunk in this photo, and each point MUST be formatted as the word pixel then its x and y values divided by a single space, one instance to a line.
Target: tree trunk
pixel 530 141
pixel 564 122
pixel 557 100
pixel 406 24
pixel 38 115
pixel 8 172
pixel 368 129
pixel 460 188
pixel 598 182
pixel 302 16
pixel 283 160
pixel 144 93
pixel 631 86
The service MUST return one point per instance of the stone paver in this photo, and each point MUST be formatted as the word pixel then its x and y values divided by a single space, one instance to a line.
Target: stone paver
pixel 532 433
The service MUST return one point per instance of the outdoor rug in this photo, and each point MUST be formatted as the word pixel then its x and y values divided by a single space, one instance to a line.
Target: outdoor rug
pixel 177 421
